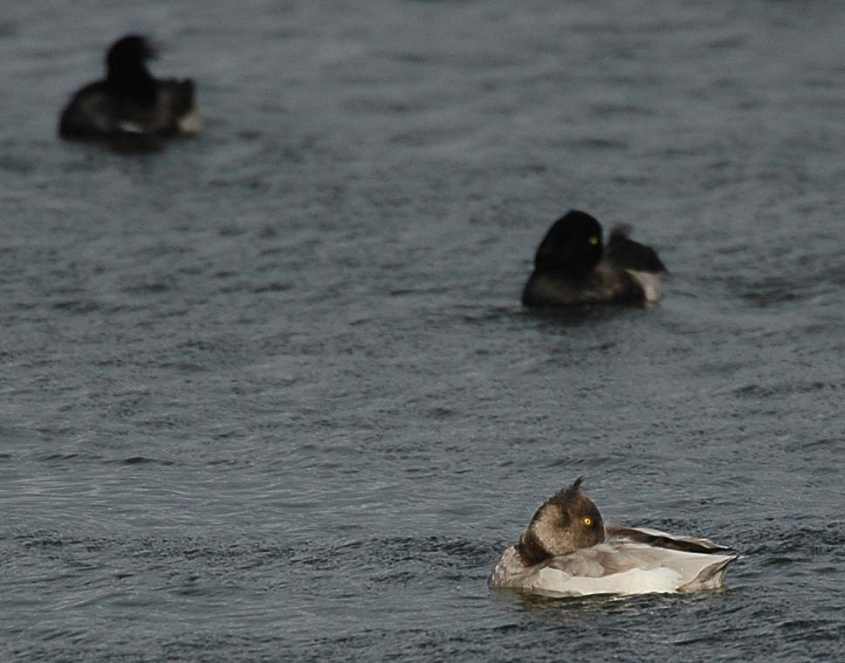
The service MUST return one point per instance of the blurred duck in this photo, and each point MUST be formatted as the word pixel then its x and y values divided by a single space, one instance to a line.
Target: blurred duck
pixel 572 266
pixel 129 101
pixel 567 551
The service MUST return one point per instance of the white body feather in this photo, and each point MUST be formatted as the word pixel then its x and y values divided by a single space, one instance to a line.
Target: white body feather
pixel 618 566
pixel 553 582
pixel 650 282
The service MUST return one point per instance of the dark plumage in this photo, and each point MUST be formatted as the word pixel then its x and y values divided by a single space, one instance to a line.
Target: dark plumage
pixel 129 102
pixel 572 266
pixel 625 253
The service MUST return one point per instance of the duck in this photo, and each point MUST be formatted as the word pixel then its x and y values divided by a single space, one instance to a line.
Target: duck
pixel 130 101
pixel 573 266
pixel 568 551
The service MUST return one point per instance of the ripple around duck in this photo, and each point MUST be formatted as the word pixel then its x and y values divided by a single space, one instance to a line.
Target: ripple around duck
pixel 141 460
pixel 757 391
pixel 808 548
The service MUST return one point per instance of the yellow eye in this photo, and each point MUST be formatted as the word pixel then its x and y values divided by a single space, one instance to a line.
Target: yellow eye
pixel 587 521
pixel 594 240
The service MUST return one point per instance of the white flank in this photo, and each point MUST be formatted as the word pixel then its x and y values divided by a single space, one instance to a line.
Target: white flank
pixel 190 123
pixel 636 581
pixel 131 127
pixel 651 284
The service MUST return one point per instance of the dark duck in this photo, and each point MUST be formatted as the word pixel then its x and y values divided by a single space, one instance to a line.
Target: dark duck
pixel 574 266
pixel 130 102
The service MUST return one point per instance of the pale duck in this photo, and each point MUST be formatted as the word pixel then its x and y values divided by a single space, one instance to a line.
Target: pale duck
pixel 568 551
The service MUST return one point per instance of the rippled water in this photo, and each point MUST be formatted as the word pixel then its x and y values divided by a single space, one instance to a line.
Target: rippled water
pixel 270 395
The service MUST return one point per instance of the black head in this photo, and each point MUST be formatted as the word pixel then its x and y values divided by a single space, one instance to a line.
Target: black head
pixel 129 54
pixel 126 70
pixel 572 247
pixel 565 522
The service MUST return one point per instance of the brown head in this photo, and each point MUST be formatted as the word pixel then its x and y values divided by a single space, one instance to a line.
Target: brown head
pixel 565 522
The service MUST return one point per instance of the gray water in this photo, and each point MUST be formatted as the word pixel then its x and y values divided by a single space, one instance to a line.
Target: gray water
pixel 270 394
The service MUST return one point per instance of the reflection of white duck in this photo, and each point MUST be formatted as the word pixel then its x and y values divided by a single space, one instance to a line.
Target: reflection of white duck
pixel 566 551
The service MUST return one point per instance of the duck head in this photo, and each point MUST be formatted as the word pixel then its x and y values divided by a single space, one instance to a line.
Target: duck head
pixel 565 522
pixel 572 247
pixel 126 67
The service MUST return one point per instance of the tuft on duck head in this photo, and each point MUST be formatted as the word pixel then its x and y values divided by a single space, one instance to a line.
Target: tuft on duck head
pixel 565 522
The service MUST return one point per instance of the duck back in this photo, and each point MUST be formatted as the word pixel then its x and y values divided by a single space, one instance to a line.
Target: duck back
pixel 625 253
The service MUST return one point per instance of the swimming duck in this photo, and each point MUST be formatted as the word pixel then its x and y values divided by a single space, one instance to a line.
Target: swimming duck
pixel 129 101
pixel 572 266
pixel 568 551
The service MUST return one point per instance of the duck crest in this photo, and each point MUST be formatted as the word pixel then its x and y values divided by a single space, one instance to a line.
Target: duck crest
pixel 571 493
pixel 126 70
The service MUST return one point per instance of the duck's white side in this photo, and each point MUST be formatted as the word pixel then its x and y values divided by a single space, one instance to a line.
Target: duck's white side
pixel 651 284
pixel 621 565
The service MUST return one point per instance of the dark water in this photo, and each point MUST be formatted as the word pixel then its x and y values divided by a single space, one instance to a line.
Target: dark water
pixel 270 395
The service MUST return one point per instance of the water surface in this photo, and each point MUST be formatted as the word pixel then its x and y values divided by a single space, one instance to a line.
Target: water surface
pixel 270 395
